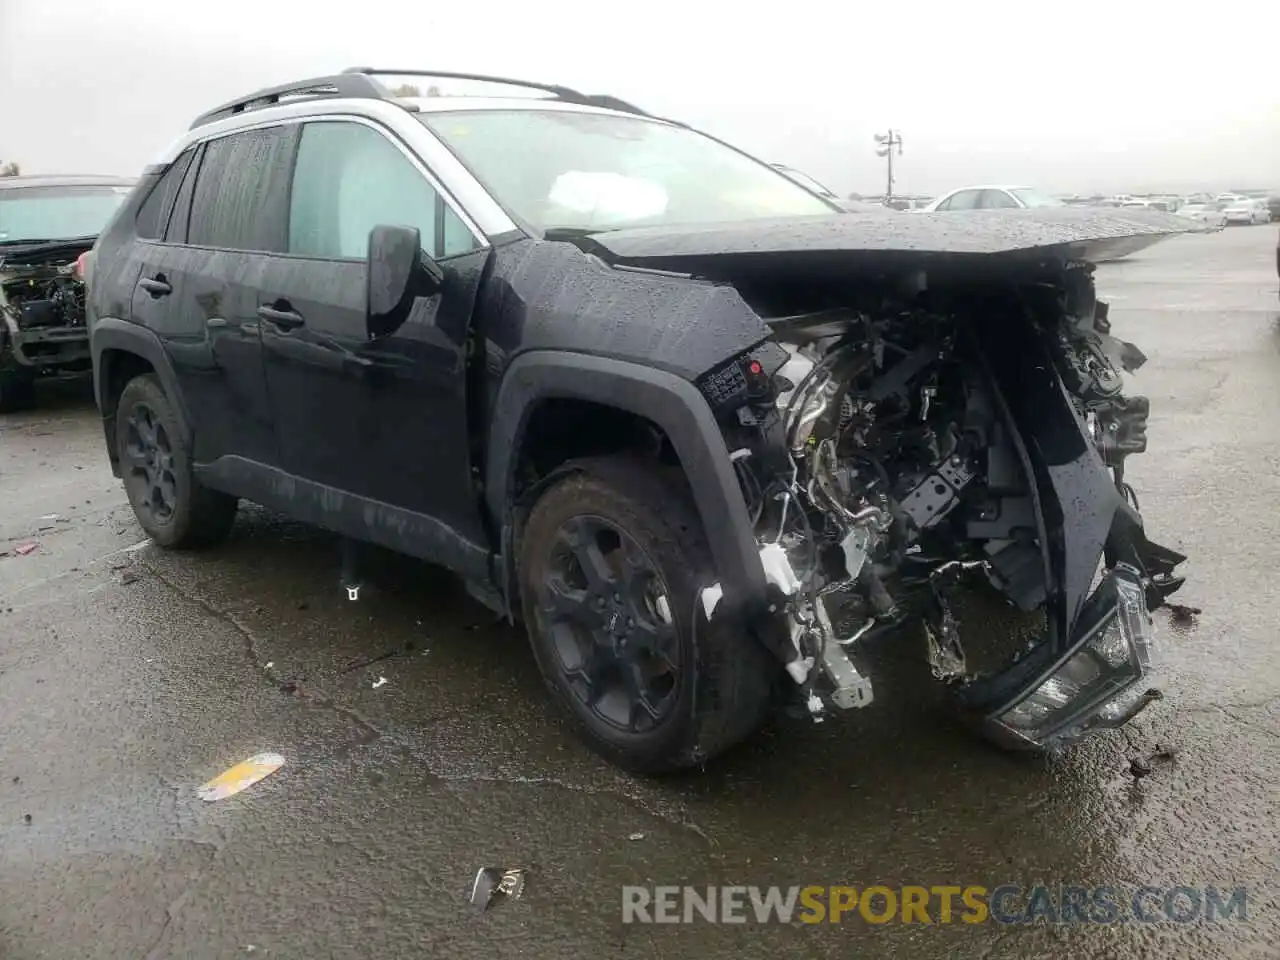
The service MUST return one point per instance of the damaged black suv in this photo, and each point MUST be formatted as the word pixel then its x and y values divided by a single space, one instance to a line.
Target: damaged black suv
pixel 706 436
pixel 47 225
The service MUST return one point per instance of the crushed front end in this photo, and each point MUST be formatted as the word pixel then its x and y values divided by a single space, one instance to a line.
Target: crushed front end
pixel 42 309
pixel 909 442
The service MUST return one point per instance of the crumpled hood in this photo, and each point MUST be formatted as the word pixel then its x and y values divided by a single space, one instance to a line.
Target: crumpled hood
pixel 1059 233
pixel 32 253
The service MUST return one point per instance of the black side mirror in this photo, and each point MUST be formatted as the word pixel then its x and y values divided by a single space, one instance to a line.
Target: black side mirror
pixel 398 272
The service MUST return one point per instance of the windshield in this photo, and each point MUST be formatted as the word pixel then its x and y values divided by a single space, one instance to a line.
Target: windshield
pixel 1034 198
pixel 584 171
pixel 57 212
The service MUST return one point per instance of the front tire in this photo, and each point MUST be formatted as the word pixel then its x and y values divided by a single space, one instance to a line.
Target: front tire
pixel 170 504
pixel 611 561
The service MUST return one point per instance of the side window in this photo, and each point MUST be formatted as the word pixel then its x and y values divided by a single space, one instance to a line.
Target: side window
pixel 181 216
pixel 154 212
pixel 964 200
pixel 348 179
pixel 239 201
pixel 997 199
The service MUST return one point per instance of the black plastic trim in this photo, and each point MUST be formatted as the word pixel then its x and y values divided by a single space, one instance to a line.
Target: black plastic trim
pixel 405 531
pixel 672 403
pixel 111 333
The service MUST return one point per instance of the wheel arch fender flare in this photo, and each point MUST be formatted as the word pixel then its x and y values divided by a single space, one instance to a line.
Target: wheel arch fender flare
pixel 112 334
pixel 673 404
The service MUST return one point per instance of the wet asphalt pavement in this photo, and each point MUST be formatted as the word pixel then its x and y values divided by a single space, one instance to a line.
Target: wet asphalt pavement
pixel 129 676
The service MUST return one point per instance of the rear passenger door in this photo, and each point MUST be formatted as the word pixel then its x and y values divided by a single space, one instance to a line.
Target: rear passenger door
pixel 380 426
pixel 229 215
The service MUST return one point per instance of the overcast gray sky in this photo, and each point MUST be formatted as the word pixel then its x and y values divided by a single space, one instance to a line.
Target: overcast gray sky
pixel 1085 95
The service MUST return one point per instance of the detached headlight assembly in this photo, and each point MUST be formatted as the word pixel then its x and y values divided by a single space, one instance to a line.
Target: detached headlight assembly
pixel 1091 686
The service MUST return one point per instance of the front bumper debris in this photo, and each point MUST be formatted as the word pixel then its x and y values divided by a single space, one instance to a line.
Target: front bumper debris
pixel 1102 681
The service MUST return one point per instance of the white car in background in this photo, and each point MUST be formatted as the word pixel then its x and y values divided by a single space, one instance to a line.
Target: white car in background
pixel 813 186
pixel 976 200
pixel 993 197
pixel 1209 214
pixel 1247 211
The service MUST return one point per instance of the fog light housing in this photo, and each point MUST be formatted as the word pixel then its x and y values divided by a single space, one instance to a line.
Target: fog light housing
pixel 1094 684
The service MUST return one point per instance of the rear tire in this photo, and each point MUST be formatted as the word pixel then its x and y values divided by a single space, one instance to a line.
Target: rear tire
pixel 611 559
pixel 170 504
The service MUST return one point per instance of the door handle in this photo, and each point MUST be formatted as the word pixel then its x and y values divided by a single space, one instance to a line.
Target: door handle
pixel 285 319
pixel 157 286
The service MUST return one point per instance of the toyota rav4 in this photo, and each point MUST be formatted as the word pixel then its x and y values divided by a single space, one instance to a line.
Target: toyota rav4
pixel 707 437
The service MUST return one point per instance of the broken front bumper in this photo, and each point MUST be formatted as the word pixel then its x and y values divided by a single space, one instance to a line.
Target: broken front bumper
pixel 46 347
pixel 1101 681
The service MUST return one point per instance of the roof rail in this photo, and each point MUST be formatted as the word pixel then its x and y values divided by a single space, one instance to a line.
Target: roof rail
pixel 351 85
pixel 358 83
pixel 566 94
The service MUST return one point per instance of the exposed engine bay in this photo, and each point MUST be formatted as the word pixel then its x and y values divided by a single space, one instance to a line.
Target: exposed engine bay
pixel 880 464
pixel 42 308
pixel 47 295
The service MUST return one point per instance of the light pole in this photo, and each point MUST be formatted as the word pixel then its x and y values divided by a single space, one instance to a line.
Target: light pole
pixel 887 142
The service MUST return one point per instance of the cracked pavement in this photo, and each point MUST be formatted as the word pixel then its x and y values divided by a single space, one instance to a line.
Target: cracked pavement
pixel 130 676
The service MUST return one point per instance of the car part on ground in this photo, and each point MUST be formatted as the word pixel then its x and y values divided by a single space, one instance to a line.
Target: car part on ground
pixel 45 237
pixel 721 447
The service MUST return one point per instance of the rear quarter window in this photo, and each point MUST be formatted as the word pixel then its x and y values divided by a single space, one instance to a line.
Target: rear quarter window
pixel 153 215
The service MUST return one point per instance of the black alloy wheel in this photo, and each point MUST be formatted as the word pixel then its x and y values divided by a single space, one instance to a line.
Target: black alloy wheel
pixel 149 453
pixel 171 505
pixel 607 613
pixel 612 556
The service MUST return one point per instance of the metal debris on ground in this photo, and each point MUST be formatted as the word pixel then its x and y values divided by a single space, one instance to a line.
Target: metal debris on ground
pixel 241 776
pixel 23 549
pixel 1141 767
pixel 379 682
pixel 491 882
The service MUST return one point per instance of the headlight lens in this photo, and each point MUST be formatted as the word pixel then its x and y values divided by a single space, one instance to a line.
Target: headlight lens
pixel 1095 680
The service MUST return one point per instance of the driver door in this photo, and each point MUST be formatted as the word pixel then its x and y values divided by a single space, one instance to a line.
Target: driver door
pixel 371 422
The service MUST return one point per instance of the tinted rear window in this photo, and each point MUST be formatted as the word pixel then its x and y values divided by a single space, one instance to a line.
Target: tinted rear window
pixel 241 198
